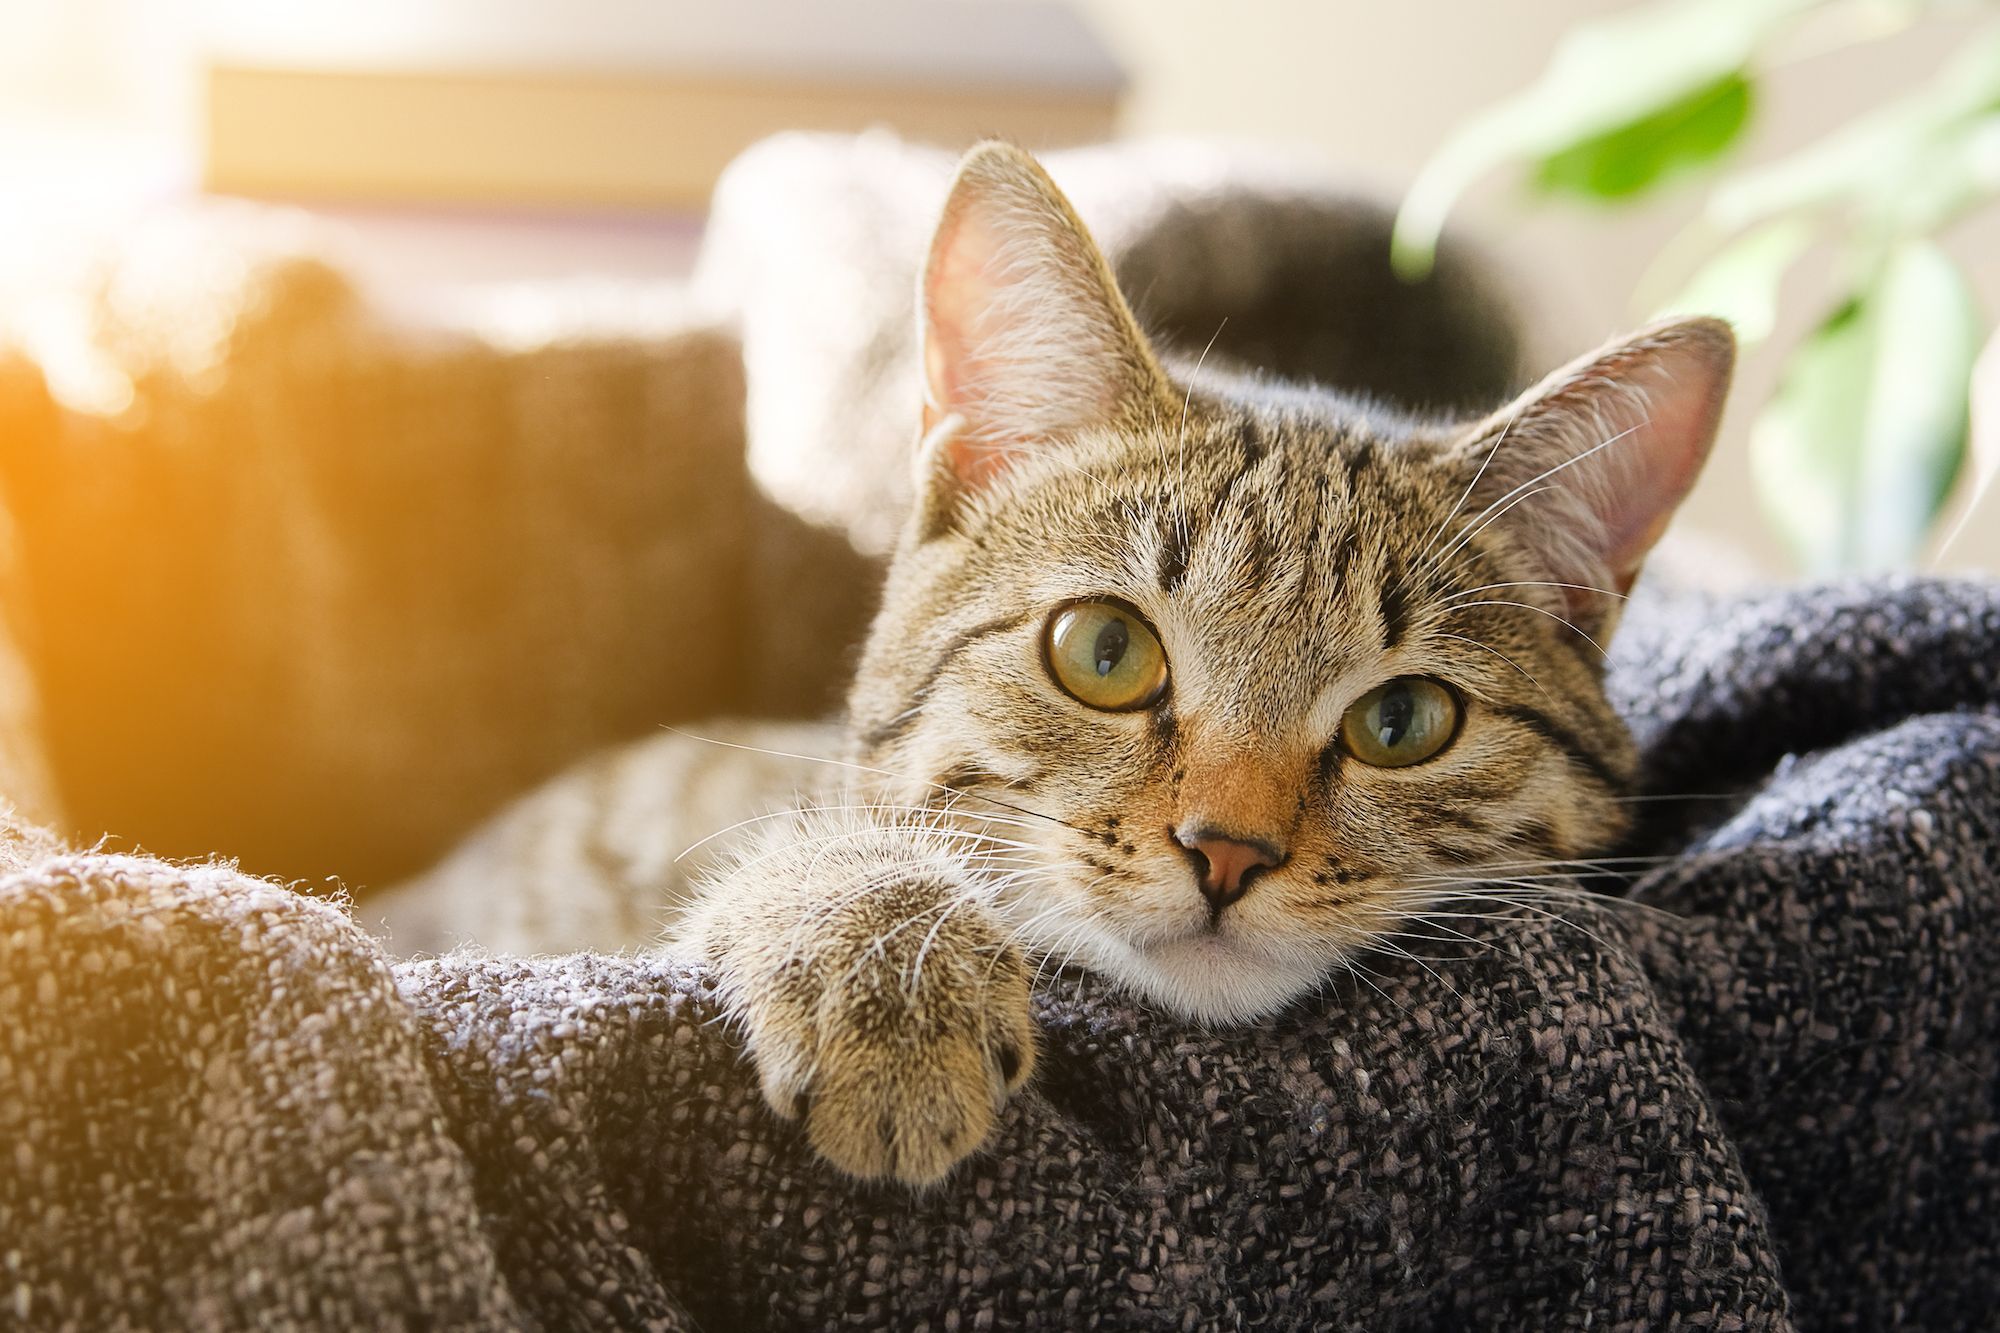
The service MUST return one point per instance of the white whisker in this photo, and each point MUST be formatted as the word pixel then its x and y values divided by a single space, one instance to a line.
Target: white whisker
pixel 1526 606
pixel 1503 657
pixel 878 772
pixel 1535 583
pixel 1431 543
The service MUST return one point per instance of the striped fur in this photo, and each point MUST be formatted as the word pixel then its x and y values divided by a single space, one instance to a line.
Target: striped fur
pixel 1293 549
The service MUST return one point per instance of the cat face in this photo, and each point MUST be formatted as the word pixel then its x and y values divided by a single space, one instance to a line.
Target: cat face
pixel 1245 670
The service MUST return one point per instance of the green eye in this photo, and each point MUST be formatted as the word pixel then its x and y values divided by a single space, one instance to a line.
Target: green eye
pixel 1105 656
pixel 1403 722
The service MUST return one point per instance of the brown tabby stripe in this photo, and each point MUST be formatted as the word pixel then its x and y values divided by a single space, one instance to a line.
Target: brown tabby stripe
pixel 1451 854
pixel 971 773
pixel 901 721
pixel 1562 738
pixel 1536 836
pixel 1229 505
pixel 1166 731
pixel 1181 532
pixel 1395 610
pixel 1343 558
pixel 1360 462
pixel 1439 813
pixel 1330 760
pixel 1174 542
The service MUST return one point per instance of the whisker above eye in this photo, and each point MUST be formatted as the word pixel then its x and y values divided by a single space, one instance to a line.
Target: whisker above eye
pixel 1180 436
pixel 1493 513
pixel 1430 544
pixel 1503 657
pixel 1536 583
pixel 1515 496
pixel 1528 606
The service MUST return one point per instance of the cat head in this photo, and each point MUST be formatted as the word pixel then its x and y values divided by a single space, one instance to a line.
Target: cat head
pixel 1247 670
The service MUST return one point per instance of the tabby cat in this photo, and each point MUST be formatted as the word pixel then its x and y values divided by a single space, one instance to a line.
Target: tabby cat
pixel 1192 679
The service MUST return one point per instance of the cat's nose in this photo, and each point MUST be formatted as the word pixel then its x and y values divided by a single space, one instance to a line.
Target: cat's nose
pixel 1224 865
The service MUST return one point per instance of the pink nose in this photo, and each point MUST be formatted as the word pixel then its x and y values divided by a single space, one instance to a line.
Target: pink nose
pixel 1225 866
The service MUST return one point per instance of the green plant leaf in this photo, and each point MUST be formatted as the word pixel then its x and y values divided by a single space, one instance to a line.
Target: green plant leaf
pixel 1856 452
pixel 1636 156
pixel 1902 160
pixel 1957 170
pixel 1984 439
pixel 1741 284
pixel 1603 77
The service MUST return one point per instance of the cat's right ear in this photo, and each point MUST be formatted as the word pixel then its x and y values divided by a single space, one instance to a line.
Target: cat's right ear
pixel 1026 340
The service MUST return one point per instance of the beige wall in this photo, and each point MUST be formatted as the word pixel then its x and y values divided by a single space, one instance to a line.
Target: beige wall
pixel 1375 85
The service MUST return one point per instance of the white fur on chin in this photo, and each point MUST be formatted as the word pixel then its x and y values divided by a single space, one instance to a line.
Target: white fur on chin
pixel 1208 977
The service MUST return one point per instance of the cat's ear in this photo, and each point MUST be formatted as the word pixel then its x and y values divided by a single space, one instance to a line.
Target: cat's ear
pixel 1025 337
pixel 1586 468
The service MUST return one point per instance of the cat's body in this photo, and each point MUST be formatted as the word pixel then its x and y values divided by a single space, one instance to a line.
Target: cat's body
pixel 1200 682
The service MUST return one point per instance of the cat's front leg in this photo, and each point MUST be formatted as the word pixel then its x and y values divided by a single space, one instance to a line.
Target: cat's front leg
pixel 884 1001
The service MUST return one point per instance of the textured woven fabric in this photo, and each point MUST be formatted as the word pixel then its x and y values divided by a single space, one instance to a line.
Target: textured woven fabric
pixel 1763 1100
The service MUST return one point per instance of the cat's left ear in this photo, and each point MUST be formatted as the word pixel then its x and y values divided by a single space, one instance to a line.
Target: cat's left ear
pixel 1026 339
pixel 1586 468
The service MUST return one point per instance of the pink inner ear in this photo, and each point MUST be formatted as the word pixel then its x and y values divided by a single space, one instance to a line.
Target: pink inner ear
pixel 959 299
pixel 1673 415
pixel 976 462
pixel 1025 339
pixel 1652 403
pixel 955 292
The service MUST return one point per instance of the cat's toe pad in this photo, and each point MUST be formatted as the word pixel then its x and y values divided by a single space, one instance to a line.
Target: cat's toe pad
pixel 901 1087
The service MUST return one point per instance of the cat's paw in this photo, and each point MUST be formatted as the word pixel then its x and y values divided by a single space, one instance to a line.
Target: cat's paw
pixel 896 1033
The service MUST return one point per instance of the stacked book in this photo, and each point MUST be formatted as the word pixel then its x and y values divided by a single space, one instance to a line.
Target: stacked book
pixel 620 103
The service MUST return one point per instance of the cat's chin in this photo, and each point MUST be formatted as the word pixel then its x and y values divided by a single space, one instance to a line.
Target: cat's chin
pixel 1213 978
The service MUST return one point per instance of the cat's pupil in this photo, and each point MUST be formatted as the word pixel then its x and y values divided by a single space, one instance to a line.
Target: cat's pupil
pixel 1394 715
pixel 1109 649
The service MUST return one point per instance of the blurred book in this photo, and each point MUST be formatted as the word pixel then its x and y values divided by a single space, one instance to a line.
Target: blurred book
pixel 635 103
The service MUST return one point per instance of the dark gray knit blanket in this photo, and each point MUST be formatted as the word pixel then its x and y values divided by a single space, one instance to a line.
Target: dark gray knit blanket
pixel 1759 1093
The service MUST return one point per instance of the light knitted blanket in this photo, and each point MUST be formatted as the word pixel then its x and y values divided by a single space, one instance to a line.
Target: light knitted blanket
pixel 1765 1099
